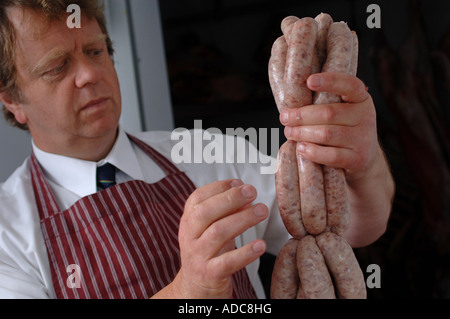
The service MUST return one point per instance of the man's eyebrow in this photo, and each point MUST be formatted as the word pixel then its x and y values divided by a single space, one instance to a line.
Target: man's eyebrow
pixel 98 38
pixel 40 67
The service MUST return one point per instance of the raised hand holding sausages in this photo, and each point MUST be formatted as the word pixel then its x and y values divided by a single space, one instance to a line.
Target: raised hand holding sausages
pixel 314 207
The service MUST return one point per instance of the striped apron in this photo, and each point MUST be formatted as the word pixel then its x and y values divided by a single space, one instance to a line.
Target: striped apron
pixel 121 242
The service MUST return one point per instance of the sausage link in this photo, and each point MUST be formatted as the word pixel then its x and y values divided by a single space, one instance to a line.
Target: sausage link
pixel 343 266
pixel 299 59
pixel 338 210
pixel 285 279
pixel 301 52
pixel 314 277
pixel 339 48
pixel 339 57
pixel 324 21
pixel 313 205
pixel 298 63
pixel 277 65
pixel 354 62
pixel 286 26
pixel 288 190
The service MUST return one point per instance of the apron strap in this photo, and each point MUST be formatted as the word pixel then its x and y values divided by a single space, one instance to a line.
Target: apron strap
pixel 45 200
pixel 167 166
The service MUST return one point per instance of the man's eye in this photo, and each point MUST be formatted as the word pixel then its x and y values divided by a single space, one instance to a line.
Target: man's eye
pixel 57 70
pixel 96 53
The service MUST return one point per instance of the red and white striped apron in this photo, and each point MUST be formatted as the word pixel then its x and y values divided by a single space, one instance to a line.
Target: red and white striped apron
pixel 124 239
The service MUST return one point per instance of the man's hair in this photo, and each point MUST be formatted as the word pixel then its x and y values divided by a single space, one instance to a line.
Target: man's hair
pixel 52 10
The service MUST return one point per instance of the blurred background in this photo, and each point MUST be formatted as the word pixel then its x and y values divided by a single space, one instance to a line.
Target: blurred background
pixel 182 60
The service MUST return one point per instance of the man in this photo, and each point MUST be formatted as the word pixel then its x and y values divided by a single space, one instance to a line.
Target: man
pixel 164 230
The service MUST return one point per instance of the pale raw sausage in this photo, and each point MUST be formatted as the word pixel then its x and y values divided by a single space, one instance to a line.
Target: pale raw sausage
pixel 324 21
pixel 314 277
pixel 338 210
pixel 288 190
pixel 343 266
pixel 298 63
pixel 301 51
pixel 286 26
pixel 339 57
pixel 313 205
pixel 355 53
pixel 277 65
pixel 285 279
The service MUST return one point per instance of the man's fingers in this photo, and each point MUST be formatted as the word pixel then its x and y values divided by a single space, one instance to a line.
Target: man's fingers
pixel 325 155
pixel 329 135
pixel 349 87
pixel 205 192
pixel 229 227
pixel 234 260
pixel 325 114
pixel 201 215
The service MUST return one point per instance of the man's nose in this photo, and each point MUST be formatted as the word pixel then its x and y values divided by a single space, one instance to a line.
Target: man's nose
pixel 88 72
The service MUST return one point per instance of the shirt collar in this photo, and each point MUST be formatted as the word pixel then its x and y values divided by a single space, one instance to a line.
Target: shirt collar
pixel 79 176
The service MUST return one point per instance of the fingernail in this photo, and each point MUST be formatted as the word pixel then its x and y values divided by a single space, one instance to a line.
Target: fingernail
pixel 284 117
pixel 259 247
pixel 301 147
pixel 288 131
pixel 260 211
pixel 315 81
pixel 248 191
pixel 236 183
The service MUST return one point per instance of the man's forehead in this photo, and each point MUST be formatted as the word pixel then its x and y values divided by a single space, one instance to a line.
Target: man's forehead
pixel 28 22
pixel 35 25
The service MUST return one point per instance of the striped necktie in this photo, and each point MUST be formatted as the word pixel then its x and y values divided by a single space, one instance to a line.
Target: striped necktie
pixel 106 176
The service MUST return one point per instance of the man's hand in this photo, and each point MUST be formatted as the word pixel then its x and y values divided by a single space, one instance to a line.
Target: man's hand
pixel 344 135
pixel 214 215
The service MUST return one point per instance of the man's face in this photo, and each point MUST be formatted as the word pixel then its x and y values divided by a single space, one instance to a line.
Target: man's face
pixel 67 79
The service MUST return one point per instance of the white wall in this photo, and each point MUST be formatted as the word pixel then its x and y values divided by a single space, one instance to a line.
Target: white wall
pixel 118 23
pixel 151 65
pixel 135 28
pixel 15 146
pixel 146 101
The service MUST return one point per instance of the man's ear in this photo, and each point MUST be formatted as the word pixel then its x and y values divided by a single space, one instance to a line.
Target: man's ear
pixel 14 107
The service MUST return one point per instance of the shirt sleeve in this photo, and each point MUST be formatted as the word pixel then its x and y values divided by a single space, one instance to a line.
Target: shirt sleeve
pixel 24 270
pixel 15 283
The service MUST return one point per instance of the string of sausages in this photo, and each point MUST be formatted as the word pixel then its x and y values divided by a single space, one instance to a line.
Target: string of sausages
pixel 317 263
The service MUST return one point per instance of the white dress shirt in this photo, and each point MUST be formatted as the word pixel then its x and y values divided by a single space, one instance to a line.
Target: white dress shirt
pixel 24 267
